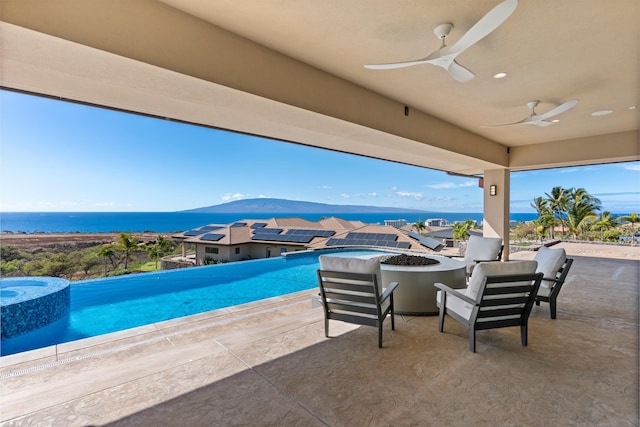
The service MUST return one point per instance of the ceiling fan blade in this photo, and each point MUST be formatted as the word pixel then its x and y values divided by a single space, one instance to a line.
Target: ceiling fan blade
pixel 559 109
pixel 459 72
pixel 530 120
pixel 394 65
pixel 521 122
pixel 489 22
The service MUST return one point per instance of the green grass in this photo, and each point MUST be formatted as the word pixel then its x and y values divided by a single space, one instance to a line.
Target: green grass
pixel 148 266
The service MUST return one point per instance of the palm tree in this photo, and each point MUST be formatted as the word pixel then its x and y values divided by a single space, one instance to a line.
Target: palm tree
pixel 581 210
pixel 461 229
pixel 127 244
pixel 633 219
pixel 604 223
pixel 108 253
pixel 543 224
pixel 540 205
pixel 160 248
pixel 557 202
pixel 419 226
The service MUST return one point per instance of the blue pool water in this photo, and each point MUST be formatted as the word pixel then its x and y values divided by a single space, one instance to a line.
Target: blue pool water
pixel 101 306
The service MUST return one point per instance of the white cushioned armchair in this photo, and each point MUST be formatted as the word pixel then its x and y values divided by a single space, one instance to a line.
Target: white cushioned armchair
pixel 554 265
pixel 499 295
pixel 482 249
pixel 352 292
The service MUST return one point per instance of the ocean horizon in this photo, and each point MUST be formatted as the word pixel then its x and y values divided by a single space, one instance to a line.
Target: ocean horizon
pixel 169 222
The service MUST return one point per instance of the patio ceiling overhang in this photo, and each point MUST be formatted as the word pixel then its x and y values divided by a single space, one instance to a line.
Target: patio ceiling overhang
pixel 244 66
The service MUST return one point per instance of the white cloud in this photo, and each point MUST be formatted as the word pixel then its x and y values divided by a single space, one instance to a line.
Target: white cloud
pixel 326 187
pixel 105 204
pixel 374 194
pixel 452 185
pixel 633 167
pixel 442 186
pixel 416 196
pixel 572 169
pixel 227 197
pixel 345 196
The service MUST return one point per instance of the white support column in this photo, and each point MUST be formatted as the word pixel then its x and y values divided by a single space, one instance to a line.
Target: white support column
pixel 496 207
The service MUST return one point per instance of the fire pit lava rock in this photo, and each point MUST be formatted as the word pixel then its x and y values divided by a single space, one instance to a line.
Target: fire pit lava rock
pixel 409 260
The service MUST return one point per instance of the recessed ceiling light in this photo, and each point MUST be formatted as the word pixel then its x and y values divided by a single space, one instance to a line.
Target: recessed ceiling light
pixel 601 112
pixel 499 75
pixel 633 107
pixel 555 120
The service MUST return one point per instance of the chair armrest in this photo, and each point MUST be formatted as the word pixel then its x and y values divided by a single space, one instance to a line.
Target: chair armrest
pixel 455 293
pixel 387 292
pixel 485 260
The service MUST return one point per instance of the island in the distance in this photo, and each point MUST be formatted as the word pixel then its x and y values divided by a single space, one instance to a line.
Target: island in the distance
pixel 283 206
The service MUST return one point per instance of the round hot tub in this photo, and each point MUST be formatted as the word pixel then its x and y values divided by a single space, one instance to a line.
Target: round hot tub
pixel 28 303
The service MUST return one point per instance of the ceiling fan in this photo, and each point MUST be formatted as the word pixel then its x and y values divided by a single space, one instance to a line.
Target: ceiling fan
pixel 445 57
pixel 540 119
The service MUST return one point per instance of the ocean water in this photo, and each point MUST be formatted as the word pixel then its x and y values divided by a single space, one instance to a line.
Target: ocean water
pixel 167 222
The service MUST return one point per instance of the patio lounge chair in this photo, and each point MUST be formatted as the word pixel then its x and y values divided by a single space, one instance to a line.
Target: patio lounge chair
pixel 351 293
pixel 554 265
pixel 482 249
pixel 499 295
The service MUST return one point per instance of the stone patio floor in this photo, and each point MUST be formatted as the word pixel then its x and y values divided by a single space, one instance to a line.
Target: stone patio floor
pixel 268 363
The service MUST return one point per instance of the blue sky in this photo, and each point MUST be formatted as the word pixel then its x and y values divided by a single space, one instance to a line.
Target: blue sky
pixel 64 157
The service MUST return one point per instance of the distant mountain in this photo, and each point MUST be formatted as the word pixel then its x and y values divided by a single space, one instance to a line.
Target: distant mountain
pixel 283 206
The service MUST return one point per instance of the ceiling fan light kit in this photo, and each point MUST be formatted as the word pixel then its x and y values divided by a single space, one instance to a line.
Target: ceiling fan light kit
pixel 540 119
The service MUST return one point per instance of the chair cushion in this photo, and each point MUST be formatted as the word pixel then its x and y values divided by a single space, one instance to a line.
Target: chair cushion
pixel 482 248
pixel 496 269
pixel 353 265
pixel 455 304
pixel 549 262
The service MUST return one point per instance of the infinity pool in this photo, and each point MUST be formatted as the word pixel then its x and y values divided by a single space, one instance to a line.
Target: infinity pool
pixel 101 306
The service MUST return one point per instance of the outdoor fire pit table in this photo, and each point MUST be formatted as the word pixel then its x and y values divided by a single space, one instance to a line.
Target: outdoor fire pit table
pixel 415 294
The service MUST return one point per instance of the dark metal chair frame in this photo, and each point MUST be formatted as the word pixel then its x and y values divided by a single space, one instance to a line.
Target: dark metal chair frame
pixel 558 281
pixel 491 302
pixel 355 298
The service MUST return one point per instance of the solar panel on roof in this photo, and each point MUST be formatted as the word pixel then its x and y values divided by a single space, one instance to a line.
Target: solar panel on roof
pixel 259 225
pixel 201 230
pixel 212 237
pixel 194 232
pixel 264 236
pixel 269 230
pixel 239 224
pixel 428 242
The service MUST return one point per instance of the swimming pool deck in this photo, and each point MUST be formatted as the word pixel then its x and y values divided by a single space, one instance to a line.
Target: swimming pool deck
pixel 268 363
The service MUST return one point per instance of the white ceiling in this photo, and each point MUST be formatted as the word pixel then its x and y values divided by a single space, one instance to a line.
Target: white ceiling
pixel 553 51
